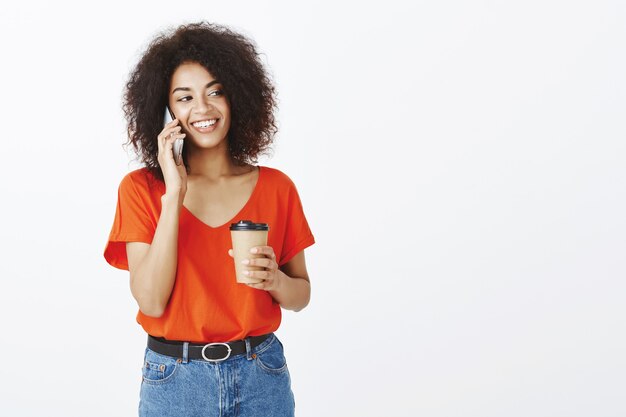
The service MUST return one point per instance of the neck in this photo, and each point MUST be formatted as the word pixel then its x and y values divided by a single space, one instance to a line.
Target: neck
pixel 213 164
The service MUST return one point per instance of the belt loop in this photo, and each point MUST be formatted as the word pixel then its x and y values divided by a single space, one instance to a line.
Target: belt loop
pixel 185 352
pixel 248 348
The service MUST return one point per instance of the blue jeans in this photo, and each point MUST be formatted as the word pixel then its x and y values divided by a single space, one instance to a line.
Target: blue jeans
pixel 256 383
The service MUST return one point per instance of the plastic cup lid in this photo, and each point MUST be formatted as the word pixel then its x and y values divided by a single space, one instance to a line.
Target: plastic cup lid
pixel 249 225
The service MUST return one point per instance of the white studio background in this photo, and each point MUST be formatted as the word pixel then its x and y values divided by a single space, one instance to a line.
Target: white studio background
pixel 461 165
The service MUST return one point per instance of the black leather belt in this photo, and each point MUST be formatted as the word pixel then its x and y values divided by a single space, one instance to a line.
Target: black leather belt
pixel 211 352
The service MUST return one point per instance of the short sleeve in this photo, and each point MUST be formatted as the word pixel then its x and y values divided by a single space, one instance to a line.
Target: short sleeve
pixel 134 221
pixel 298 235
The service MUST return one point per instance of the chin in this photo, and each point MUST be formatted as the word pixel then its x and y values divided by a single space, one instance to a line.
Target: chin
pixel 207 143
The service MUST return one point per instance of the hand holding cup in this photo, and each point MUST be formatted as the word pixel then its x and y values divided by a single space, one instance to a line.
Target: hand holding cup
pixel 265 268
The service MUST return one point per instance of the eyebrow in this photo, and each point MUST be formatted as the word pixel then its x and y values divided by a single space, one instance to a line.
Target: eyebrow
pixel 189 89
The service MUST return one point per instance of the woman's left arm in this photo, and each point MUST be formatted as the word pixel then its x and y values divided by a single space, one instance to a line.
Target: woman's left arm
pixel 289 285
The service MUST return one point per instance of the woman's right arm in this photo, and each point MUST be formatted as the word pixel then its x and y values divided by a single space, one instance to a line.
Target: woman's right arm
pixel 153 266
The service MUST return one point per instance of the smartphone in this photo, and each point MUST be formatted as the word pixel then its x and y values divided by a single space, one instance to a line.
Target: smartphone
pixel 178 143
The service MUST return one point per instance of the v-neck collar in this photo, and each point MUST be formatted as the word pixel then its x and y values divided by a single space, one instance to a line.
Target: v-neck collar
pixel 239 214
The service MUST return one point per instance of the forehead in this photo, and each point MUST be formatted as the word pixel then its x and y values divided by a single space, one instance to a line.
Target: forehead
pixel 190 75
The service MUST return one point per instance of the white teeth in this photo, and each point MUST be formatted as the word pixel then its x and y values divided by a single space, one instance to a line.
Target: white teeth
pixel 205 123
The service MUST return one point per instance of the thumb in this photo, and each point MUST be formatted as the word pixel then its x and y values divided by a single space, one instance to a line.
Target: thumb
pixel 230 252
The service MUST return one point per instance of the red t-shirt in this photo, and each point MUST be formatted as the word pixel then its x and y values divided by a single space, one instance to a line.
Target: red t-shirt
pixel 206 304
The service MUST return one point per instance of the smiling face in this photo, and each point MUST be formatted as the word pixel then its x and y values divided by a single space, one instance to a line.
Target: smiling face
pixel 197 99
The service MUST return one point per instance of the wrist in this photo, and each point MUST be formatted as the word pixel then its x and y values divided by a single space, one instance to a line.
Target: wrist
pixel 172 198
pixel 280 280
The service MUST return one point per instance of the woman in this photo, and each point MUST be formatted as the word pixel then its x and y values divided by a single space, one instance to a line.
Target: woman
pixel 211 344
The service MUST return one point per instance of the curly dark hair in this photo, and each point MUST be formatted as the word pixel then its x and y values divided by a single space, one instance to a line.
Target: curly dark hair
pixel 232 59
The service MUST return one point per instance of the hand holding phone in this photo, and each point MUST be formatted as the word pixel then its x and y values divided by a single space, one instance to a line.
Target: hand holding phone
pixel 177 148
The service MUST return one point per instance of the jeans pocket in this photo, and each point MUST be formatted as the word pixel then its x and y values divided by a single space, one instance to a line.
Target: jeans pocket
pixel 158 369
pixel 272 359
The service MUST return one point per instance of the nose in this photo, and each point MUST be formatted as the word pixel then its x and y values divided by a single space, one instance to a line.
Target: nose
pixel 203 105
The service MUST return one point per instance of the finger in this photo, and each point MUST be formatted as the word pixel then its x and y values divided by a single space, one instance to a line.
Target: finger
pixel 169 141
pixel 264 275
pixel 262 262
pixel 258 286
pixel 263 250
pixel 166 141
pixel 172 123
pixel 167 132
pixel 166 149
pixel 174 135
pixel 230 253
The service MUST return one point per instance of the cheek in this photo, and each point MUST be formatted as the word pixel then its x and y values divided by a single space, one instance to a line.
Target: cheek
pixel 227 123
pixel 182 112
pixel 225 109
pixel 225 112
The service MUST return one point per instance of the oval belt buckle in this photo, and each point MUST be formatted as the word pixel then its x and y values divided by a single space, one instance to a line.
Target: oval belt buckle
pixel 217 360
